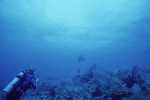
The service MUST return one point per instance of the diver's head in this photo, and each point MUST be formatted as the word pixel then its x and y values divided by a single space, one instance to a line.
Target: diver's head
pixel 31 71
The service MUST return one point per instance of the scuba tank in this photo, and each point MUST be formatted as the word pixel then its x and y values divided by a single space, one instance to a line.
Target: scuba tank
pixel 14 83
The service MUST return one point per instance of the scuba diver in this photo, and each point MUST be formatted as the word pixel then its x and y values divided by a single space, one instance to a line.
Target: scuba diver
pixel 22 82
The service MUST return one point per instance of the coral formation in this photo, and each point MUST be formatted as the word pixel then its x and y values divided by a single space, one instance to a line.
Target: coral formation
pixel 96 84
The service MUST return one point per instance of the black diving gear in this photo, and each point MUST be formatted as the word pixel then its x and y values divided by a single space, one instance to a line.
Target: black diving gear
pixel 27 82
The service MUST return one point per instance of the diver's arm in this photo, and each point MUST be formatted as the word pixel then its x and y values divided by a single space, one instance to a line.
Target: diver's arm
pixel 33 83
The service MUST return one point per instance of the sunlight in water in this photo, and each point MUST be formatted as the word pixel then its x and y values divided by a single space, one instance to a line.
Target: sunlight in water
pixel 80 24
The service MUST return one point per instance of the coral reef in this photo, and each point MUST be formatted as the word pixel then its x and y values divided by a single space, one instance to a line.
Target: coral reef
pixel 96 84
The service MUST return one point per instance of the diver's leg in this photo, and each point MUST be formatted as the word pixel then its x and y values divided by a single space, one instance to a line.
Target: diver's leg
pixel 9 96
pixel 18 95
pixel 15 95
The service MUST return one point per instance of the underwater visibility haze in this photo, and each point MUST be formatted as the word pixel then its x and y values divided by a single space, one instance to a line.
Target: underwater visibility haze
pixel 50 35
pixel 65 36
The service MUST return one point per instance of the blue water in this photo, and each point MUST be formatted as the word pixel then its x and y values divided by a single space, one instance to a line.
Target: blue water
pixel 49 35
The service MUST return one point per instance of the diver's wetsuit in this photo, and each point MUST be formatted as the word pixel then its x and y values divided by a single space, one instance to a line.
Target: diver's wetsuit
pixel 26 83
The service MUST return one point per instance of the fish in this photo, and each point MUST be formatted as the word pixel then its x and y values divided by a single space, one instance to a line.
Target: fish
pixel 81 58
